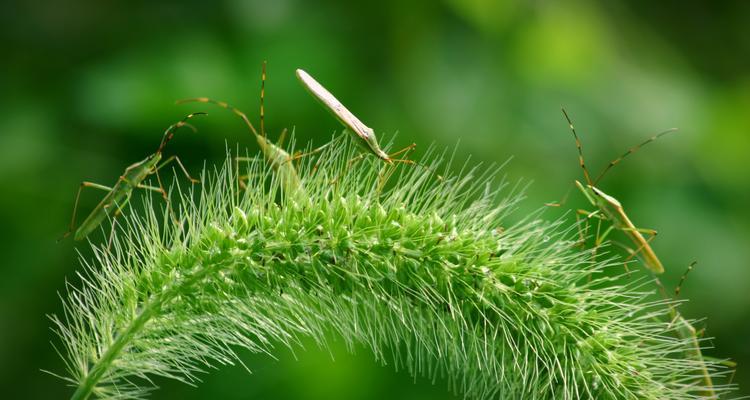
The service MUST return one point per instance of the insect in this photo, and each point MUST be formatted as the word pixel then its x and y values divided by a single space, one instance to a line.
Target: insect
pixel 133 177
pixel 609 208
pixel 278 158
pixel 365 136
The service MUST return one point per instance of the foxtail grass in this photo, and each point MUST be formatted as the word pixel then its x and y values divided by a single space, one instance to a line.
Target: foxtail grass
pixel 428 272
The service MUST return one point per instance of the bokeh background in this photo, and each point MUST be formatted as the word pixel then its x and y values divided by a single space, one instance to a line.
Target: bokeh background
pixel 87 87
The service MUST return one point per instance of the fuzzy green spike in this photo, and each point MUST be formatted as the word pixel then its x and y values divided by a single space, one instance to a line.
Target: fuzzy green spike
pixel 420 274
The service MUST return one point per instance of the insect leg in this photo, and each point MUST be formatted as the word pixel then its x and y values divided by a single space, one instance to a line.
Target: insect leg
pixel 683 277
pixel 388 170
pixel 241 179
pixel 581 231
pixel 361 156
pixel 601 238
pixel 247 159
pixel 644 250
pixel 148 187
pixel 687 331
pixel 262 97
pixel 240 185
pixel 590 214
pixel 351 162
pixel 225 105
pixel 163 192
pixel 161 186
pixel 633 252
pixel 733 366
pixel 299 155
pixel 270 151
pixel 83 184
pixel 179 163
pixel 562 201
pixel 647 231
pixel 404 160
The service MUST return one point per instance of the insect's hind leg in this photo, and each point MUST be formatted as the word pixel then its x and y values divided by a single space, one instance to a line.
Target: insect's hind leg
pixel 83 184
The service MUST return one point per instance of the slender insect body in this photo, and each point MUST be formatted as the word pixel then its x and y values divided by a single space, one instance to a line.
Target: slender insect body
pixel 281 162
pixel 614 211
pixel 139 171
pixel 609 200
pixel 365 134
pixel 110 204
pixel 119 194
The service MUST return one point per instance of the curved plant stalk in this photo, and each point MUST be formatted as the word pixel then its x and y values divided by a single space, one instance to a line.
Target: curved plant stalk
pixel 430 275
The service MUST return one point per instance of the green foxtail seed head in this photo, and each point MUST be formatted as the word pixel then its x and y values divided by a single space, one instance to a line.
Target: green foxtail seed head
pixel 432 275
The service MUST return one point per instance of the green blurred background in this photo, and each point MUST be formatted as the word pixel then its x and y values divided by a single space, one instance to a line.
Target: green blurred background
pixel 87 87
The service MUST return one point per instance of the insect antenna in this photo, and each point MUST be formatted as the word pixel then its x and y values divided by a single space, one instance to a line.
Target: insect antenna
pixel 683 277
pixel 262 97
pixel 580 150
pixel 169 132
pixel 631 151
pixel 221 104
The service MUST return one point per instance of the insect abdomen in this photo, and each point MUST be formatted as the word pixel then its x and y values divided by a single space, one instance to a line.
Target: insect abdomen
pixel 120 192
